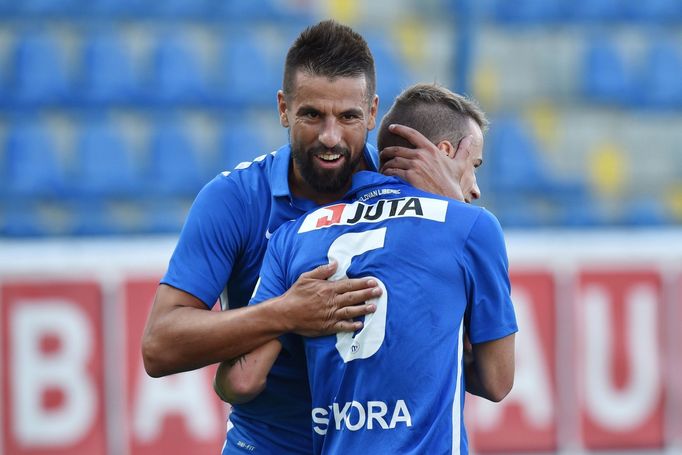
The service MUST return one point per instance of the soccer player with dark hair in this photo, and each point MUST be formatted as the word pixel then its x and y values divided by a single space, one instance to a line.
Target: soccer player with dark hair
pixel 328 103
pixel 397 385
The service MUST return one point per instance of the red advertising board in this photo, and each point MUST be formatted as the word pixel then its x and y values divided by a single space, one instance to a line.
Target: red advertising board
pixel 620 356
pixel 674 367
pixel 174 414
pixel 52 368
pixel 526 419
pixel 598 365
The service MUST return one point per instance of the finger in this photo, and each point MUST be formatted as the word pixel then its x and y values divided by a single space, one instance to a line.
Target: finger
pixel 356 297
pixel 351 312
pixel 354 284
pixel 391 152
pixel 413 136
pixel 397 163
pixel 322 272
pixel 347 326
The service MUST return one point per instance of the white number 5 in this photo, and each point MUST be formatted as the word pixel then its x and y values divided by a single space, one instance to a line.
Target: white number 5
pixel 369 340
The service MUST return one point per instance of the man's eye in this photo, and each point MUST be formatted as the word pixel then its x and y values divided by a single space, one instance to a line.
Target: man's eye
pixel 350 116
pixel 312 114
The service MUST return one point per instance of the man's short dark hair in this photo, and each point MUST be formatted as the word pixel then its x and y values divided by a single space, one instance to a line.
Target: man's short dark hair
pixel 434 111
pixel 332 50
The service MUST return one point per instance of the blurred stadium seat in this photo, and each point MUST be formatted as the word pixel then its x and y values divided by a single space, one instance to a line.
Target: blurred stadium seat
pixel 594 10
pixel 654 11
pixel 103 165
pixel 21 220
pixel 45 6
pixel 239 141
pixel 257 10
pixel 391 72
pixel 107 73
pixel 32 167
pixel 177 74
pixel 94 217
pixel 645 212
pixel 110 8
pixel 605 78
pixel 39 73
pixel 515 164
pixel 522 183
pixel 246 75
pixel 174 166
pixel 661 75
pixel 177 8
pixel 165 215
pixel 528 11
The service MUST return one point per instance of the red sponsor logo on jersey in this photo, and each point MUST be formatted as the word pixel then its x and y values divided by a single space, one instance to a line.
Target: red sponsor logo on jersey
pixel 333 218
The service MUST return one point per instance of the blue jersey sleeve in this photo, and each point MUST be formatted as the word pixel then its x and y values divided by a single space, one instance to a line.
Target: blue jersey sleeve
pixel 210 241
pixel 490 314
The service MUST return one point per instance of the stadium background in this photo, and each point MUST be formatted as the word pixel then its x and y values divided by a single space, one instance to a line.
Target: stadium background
pixel 113 113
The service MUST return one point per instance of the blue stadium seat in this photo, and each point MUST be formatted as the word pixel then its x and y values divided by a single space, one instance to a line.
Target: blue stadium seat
pixel 239 141
pixel 661 76
pixel 177 73
pixel 103 165
pixel 174 162
pixel 515 166
pixel 261 10
pixel 654 11
pixel 646 212
pixel 178 8
pixel 391 73
pixel 528 11
pixel 514 163
pixel 113 7
pixel 107 72
pixel 247 75
pixel 51 7
pixel 39 73
pixel 33 169
pixel 594 10
pixel 165 216
pixel 21 220
pixel 605 78
pixel 94 218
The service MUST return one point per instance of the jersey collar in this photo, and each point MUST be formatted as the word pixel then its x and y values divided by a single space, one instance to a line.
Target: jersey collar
pixel 280 168
pixel 364 179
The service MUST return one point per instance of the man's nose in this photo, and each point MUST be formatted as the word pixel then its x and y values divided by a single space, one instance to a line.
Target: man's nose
pixel 330 135
pixel 475 192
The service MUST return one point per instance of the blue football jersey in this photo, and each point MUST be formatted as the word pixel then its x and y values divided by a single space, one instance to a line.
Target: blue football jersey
pixel 219 255
pixel 397 385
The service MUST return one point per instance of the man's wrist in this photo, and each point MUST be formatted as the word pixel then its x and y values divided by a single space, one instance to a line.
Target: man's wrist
pixel 278 315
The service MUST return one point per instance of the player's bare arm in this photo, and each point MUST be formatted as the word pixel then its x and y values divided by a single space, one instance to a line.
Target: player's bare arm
pixel 489 368
pixel 182 334
pixel 240 380
pixel 426 166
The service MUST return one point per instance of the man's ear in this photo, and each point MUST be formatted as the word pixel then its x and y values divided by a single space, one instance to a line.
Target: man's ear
pixel 282 109
pixel 447 148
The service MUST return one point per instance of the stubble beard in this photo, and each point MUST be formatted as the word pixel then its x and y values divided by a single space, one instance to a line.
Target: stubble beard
pixel 321 180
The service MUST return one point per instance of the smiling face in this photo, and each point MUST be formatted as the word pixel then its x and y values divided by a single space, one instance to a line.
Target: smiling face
pixel 328 121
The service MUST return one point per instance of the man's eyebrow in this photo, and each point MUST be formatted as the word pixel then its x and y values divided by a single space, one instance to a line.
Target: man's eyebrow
pixel 306 110
pixel 353 111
